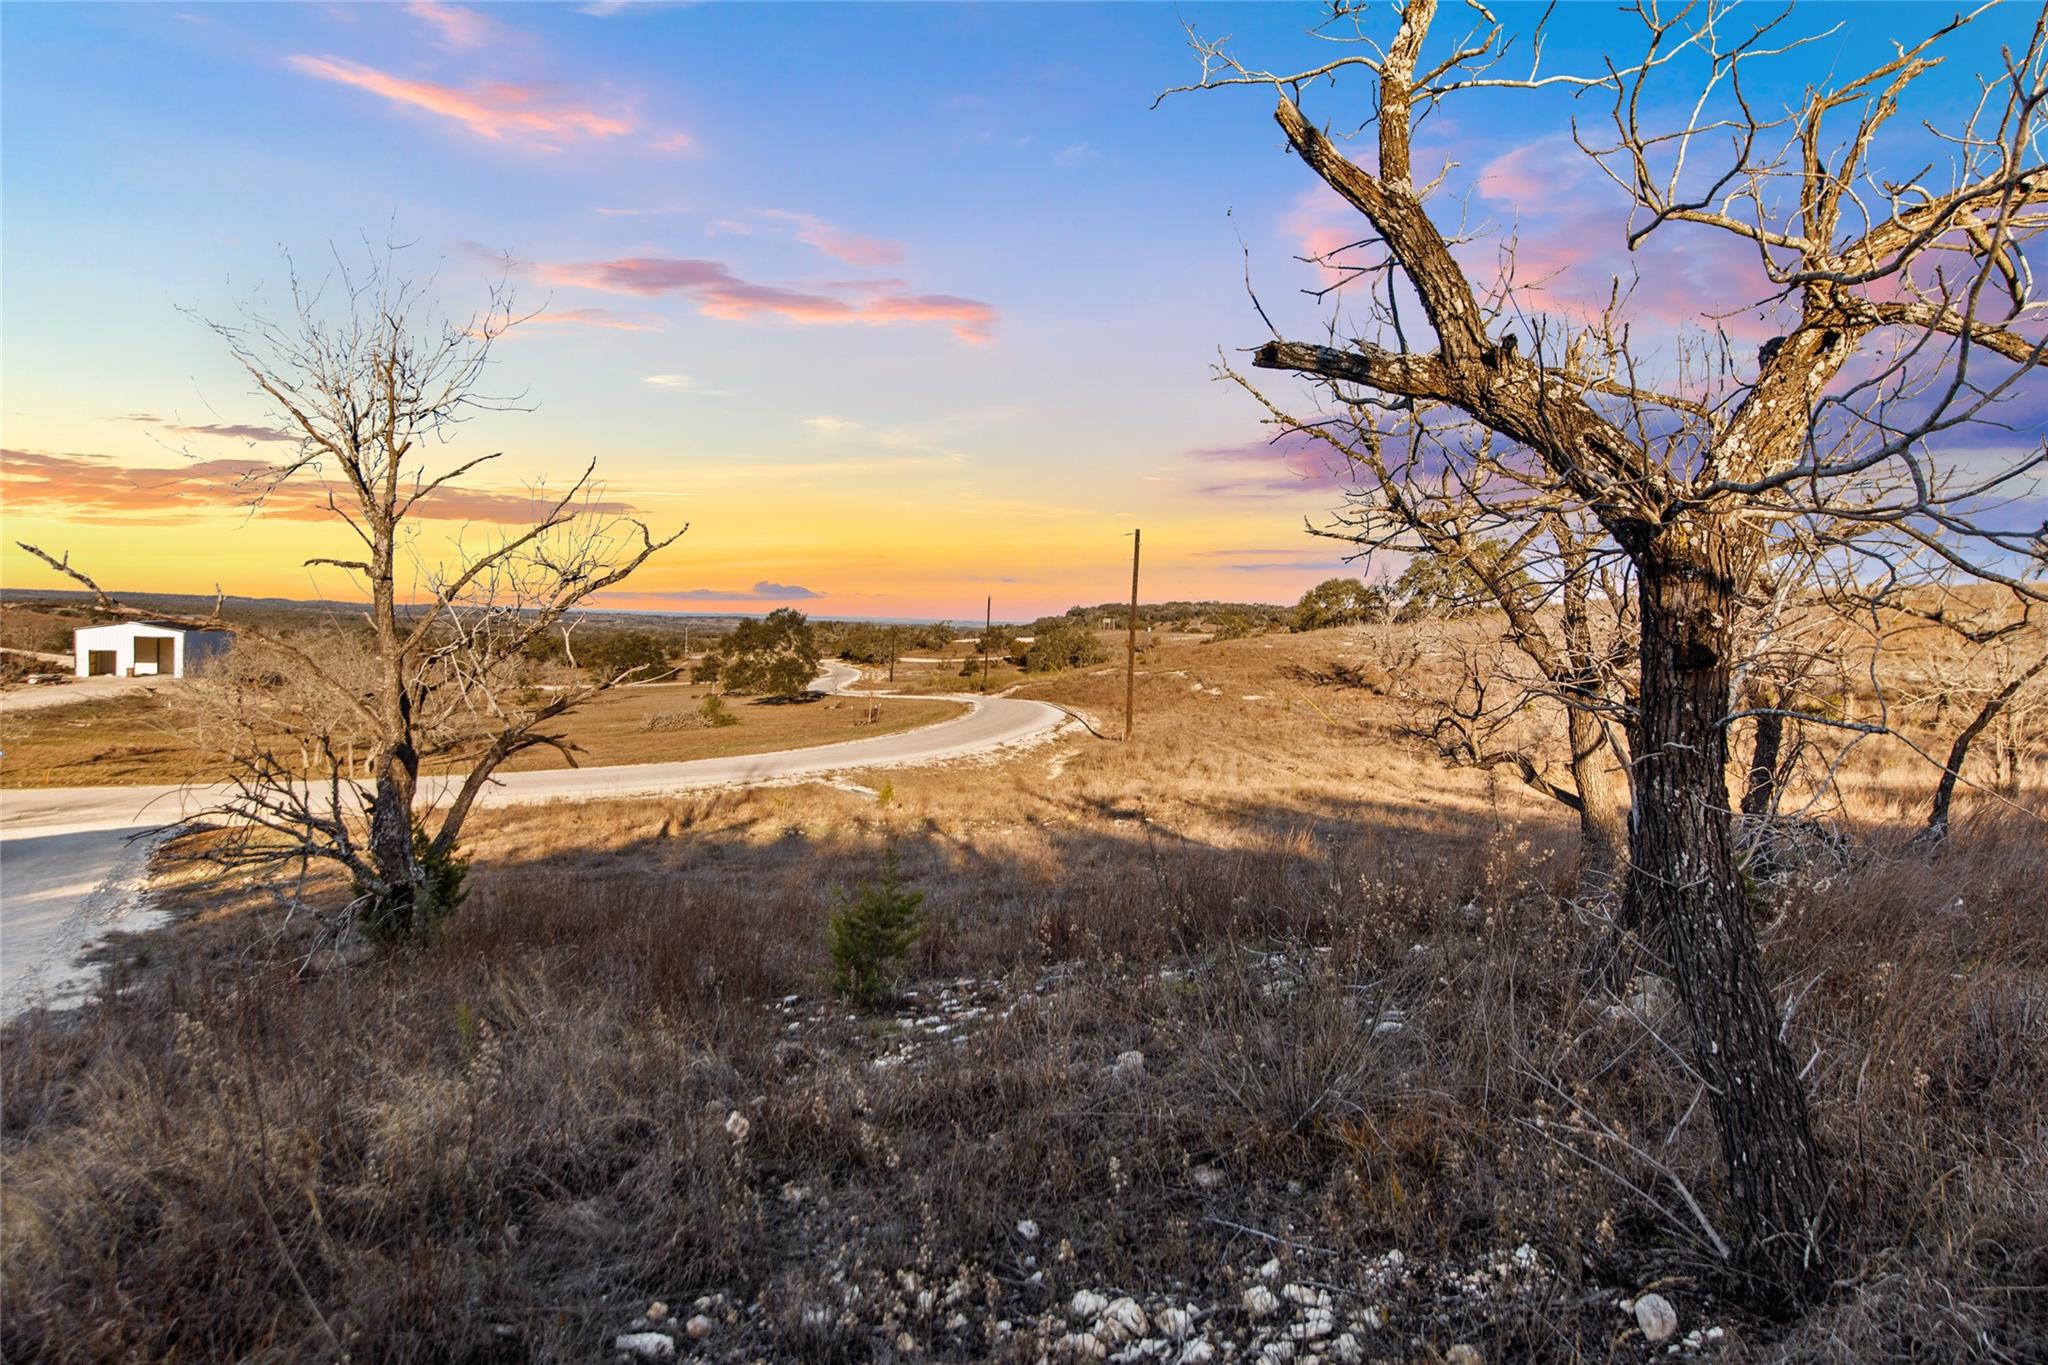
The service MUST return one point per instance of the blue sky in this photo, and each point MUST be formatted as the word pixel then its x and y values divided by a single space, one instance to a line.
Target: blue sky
pixel 949 296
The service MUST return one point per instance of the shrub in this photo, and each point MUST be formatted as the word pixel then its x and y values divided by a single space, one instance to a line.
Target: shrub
pixel 1339 602
pixel 635 653
pixel 776 656
pixel 1233 625
pixel 1068 645
pixel 388 921
pixel 873 930
pixel 716 714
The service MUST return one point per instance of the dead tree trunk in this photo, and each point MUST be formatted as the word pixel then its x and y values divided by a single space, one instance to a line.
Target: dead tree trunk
pixel 1760 783
pixel 1603 822
pixel 1686 889
pixel 1603 816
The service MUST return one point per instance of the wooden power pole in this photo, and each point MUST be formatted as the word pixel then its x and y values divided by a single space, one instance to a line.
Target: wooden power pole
pixel 988 626
pixel 1131 643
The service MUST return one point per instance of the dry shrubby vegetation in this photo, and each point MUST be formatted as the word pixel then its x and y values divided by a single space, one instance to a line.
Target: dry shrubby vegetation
pixel 1269 984
pixel 177 735
pixel 1618 938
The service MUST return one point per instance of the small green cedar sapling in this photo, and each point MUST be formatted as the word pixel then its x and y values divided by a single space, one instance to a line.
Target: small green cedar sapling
pixel 873 929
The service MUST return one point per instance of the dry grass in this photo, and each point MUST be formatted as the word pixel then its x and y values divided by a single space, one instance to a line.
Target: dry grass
pixel 502 1146
pixel 137 740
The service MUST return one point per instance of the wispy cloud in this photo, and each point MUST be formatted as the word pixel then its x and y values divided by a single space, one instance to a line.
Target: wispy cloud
pixel 850 247
pixel 499 111
pixel 227 431
pixel 1322 225
pixel 763 591
pixel 682 383
pixel 457 26
pixel 95 488
pixel 718 293
pixel 1290 464
pixel 587 317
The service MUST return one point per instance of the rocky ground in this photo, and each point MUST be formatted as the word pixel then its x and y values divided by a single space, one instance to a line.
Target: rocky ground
pixel 1274 1300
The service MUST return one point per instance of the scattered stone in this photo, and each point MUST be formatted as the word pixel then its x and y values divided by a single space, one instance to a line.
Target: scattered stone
pixel 738 1126
pixel 1462 1354
pixel 698 1327
pixel 1259 1301
pixel 1656 1317
pixel 1270 1270
pixel 1208 1178
pixel 1125 1318
pixel 1129 1065
pixel 656 1311
pixel 1087 1304
pixel 1028 1230
pixel 1174 1323
pixel 1083 1346
pixel 1196 1352
pixel 646 1345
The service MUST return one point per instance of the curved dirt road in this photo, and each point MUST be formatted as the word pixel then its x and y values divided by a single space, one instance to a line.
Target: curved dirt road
pixel 68 855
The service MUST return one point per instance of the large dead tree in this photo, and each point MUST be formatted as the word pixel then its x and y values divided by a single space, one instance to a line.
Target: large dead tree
pixel 1908 311
pixel 371 380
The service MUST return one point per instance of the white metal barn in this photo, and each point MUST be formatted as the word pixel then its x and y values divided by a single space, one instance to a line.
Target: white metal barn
pixel 144 649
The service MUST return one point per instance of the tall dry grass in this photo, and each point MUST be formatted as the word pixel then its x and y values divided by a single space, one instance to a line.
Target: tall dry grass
pixel 1355 979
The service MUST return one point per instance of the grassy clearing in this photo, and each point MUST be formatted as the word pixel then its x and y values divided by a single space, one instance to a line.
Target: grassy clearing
pixel 1354 984
pixel 137 740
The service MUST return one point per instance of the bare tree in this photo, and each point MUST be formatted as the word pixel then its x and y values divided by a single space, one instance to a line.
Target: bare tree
pixel 369 378
pixel 1563 594
pixel 1974 651
pixel 1909 308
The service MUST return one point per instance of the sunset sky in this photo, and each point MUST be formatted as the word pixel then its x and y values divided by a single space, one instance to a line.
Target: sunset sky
pixel 896 306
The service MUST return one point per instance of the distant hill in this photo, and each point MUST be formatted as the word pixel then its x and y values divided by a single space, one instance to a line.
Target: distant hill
pixel 1191 616
pixel 285 611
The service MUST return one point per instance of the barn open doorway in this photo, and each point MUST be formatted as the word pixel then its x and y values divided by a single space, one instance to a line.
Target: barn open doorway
pixel 155 655
pixel 99 663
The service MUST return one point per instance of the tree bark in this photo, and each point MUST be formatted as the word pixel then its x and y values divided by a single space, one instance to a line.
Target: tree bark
pixel 1603 819
pixel 1760 784
pixel 1603 828
pixel 1686 890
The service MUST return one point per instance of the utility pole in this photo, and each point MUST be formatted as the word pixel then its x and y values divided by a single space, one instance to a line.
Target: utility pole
pixel 1131 643
pixel 987 628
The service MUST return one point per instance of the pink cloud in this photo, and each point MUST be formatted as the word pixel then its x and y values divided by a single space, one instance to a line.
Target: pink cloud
pixel 850 247
pixel 674 142
pixel 1288 464
pixel 1322 225
pixel 587 317
pixel 458 27
pixel 498 111
pixel 721 294
pixel 93 488
pixel 1534 174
